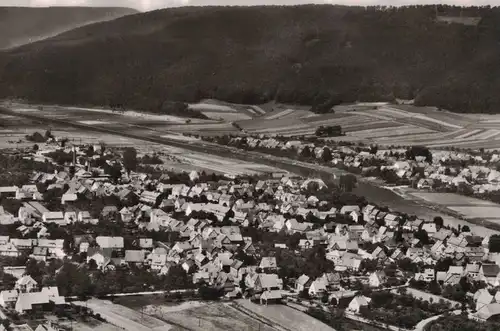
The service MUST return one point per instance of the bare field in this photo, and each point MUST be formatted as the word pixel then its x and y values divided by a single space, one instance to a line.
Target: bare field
pixel 447 199
pixel 468 207
pixel 124 317
pixel 209 317
pixel 291 319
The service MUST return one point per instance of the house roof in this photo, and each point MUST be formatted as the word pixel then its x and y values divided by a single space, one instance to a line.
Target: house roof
pixel 269 280
pixel 271 295
pixel 9 296
pixel 302 280
pixel 361 300
pixel 25 280
pixel 268 262
pixel 110 242
pixel 490 270
pixel 134 256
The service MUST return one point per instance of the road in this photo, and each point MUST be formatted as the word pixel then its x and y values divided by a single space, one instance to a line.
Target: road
pixel 422 324
pixel 371 191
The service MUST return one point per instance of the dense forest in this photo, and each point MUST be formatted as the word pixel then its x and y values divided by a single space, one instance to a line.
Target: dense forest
pixel 312 55
pixel 21 25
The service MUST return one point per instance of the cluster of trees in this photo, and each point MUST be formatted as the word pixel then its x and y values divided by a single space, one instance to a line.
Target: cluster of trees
pixel 409 310
pixel 16 170
pixel 85 280
pixel 60 157
pixel 151 159
pixel 37 137
pixel 329 131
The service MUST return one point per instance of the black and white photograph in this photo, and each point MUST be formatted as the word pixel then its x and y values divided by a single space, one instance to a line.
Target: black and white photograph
pixel 249 165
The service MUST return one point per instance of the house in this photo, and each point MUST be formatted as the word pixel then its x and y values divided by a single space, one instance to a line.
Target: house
pixel 348 209
pixel 17 271
pixel 356 216
pixel 26 284
pixel 135 256
pixel 488 311
pixel 378 253
pixel 318 287
pixel 377 279
pixel 110 242
pixel 46 327
pixel 302 283
pixel 483 298
pixel 126 215
pixel 158 261
pixel 332 280
pixel 268 264
pixel 101 256
pixel 267 282
pixel 426 276
pixel 454 275
pixel 146 243
pixel 472 270
pixel 272 296
pixel 489 274
pixel 9 249
pixel 56 217
pixel 8 298
pixel 430 228
pixel 84 217
pixel 109 212
pixel 357 303
pixel 27 302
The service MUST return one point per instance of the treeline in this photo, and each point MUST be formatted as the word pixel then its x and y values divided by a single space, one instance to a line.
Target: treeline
pixel 316 55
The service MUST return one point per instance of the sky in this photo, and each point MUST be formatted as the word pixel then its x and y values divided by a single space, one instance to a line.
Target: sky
pixel 145 5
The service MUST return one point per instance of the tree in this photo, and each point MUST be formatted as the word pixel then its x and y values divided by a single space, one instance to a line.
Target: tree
pixel 35 147
pixel 347 182
pixel 423 236
pixel 438 220
pixel 306 152
pixel 130 159
pixel 415 151
pixel 494 243
pixel 48 134
pixel 327 155
pixel 465 228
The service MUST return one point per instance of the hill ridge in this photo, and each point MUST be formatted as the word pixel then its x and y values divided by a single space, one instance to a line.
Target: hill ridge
pixel 317 55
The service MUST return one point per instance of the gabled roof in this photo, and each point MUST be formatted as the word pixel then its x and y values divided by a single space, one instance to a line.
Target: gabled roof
pixel 490 270
pixel 302 280
pixel 135 256
pixel 110 242
pixel 268 262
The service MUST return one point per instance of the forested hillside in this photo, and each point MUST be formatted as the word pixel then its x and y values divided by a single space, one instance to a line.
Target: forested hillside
pixel 312 54
pixel 22 25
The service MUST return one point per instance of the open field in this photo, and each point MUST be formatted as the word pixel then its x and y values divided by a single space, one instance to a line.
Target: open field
pixel 289 318
pixel 207 317
pixel 402 125
pixel 124 317
pixel 469 208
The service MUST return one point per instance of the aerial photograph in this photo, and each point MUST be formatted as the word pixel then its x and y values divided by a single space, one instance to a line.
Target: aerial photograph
pixel 249 165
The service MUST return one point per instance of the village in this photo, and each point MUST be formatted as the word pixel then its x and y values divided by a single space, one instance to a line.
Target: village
pixel 85 221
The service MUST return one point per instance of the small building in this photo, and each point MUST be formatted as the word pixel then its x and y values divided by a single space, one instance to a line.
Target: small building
pixel 26 284
pixel 357 303
pixel 271 297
